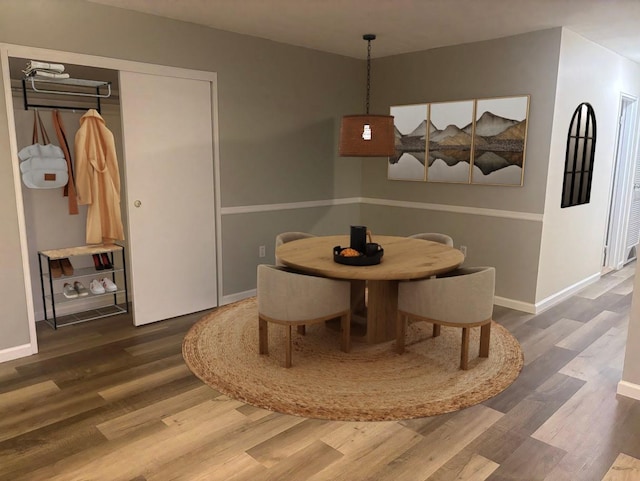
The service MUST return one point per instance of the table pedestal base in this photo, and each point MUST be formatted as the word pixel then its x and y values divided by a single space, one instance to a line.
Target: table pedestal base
pixel 380 309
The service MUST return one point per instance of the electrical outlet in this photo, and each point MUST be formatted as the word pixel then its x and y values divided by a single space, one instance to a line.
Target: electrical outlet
pixel 262 251
pixel 463 249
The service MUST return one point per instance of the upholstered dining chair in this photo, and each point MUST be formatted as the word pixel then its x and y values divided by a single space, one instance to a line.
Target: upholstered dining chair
pixel 285 237
pixel 435 237
pixel 293 299
pixel 461 298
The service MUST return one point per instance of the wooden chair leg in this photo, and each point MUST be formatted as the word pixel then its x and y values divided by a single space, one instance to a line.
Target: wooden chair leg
pixel 345 327
pixel 263 336
pixel 436 330
pixel 287 361
pixel 302 329
pixel 401 327
pixel 464 355
pixel 485 338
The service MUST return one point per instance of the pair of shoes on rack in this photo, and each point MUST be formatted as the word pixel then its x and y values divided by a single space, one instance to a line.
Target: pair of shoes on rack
pixel 75 290
pixel 60 267
pixel 67 268
pixel 100 286
pixel 102 262
pixel 55 268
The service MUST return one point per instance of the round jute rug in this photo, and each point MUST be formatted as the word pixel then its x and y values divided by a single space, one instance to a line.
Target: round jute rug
pixel 371 383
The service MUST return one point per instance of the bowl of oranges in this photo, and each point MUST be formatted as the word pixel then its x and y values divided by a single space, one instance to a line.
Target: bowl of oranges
pixel 352 257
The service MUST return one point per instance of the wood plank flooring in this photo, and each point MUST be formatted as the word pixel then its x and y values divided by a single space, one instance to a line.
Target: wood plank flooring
pixel 107 401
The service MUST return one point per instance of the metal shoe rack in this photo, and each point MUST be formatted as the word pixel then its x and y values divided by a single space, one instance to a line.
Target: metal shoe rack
pixel 51 287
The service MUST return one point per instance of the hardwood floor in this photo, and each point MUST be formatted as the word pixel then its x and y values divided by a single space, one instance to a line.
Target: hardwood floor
pixel 106 401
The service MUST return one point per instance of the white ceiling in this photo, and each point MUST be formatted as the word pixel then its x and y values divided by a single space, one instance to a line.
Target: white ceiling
pixel 402 26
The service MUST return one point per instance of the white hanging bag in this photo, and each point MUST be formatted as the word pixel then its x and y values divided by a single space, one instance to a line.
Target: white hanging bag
pixel 42 166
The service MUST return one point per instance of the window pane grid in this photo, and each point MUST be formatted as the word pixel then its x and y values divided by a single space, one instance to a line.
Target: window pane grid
pixel 578 168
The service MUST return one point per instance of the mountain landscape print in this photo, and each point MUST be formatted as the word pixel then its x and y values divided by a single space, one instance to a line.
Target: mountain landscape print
pixel 450 141
pixel 480 141
pixel 499 140
pixel 408 163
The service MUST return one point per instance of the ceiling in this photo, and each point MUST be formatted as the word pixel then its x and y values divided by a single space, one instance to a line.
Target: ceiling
pixel 403 26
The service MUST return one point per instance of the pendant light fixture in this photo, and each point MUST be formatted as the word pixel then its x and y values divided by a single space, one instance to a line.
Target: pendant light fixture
pixel 367 135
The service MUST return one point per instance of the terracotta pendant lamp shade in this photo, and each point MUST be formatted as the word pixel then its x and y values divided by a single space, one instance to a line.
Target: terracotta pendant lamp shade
pixel 355 129
pixel 367 135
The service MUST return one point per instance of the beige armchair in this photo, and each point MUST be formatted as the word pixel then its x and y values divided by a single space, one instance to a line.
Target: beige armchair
pixel 435 237
pixel 461 298
pixel 293 299
pixel 285 237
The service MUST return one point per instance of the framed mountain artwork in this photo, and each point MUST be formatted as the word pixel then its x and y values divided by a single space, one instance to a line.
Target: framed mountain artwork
pixel 450 130
pixel 410 123
pixel 499 140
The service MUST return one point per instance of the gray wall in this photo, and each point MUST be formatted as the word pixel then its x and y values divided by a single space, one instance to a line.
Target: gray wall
pixel 317 220
pixel 523 64
pixel 490 241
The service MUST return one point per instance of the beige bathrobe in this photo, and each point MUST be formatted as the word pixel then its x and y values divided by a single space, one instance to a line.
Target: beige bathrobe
pixel 97 179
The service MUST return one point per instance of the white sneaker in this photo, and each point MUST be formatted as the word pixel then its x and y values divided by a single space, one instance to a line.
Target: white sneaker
pixel 108 285
pixel 68 291
pixel 96 287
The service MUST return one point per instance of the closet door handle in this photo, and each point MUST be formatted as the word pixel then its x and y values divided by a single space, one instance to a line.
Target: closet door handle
pixel 137 203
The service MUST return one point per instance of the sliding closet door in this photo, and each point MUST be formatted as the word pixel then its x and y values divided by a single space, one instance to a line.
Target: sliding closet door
pixel 168 157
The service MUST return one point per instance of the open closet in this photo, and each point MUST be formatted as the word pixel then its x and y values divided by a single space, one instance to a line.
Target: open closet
pixel 164 125
pixel 50 226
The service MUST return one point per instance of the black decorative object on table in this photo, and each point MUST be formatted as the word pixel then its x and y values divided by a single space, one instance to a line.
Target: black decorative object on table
pixel 358 237
pixel 360 252
pixel 359 260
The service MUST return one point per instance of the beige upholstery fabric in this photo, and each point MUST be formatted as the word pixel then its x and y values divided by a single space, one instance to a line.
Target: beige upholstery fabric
pixel 435 237
pixel 462 298
pixel 294 299
pixel 285 237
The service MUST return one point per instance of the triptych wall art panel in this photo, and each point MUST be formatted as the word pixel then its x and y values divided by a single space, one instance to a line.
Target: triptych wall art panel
pixel 411 130
pixel 479 141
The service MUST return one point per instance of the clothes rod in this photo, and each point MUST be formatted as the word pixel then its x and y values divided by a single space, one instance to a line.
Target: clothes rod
pixel 62 107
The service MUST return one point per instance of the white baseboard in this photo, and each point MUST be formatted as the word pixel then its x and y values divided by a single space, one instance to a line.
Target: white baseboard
pixel 513 304
pixel 238 296
pixel 16 352
pixel 558 297
pixel 550 301
pixel 629 389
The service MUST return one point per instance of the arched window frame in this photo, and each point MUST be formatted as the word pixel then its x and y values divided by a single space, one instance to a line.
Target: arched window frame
pixel 580 156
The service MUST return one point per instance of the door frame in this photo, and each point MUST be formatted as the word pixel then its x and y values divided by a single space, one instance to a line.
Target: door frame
pixel 622 182
pixel 57 56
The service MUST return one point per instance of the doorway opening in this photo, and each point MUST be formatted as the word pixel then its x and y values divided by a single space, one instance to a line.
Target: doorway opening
pixel 623 228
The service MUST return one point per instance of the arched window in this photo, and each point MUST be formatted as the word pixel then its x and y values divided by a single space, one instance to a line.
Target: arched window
pixel 578 165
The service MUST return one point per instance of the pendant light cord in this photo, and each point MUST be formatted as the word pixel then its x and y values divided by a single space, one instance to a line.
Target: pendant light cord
pixel 368 71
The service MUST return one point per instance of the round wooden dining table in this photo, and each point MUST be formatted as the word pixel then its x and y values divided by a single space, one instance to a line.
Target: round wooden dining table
pixel 404 258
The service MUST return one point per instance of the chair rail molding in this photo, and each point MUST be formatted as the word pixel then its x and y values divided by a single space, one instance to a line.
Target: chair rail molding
pixel 459 209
